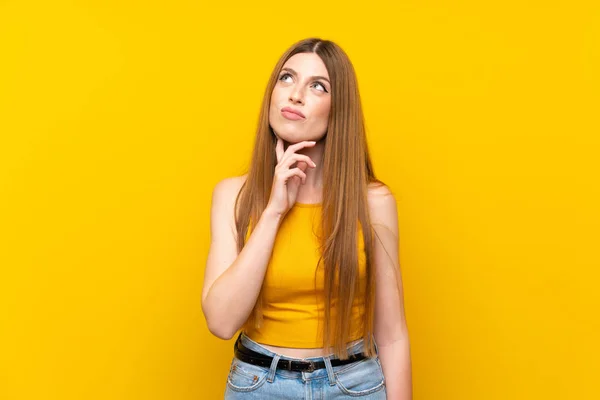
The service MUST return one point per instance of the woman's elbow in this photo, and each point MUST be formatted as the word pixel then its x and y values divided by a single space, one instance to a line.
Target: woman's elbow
pixel 218 327
pixel 218 330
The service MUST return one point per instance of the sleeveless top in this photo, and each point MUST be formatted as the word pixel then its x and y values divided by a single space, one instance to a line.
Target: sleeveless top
pixel 293 287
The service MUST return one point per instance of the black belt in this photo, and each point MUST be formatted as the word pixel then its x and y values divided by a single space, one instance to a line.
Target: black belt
pixel 252 357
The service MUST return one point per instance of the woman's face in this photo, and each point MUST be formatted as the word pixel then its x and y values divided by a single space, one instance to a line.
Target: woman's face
pixel 302 87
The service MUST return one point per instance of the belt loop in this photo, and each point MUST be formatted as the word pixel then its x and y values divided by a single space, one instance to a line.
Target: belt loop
pixel 237 341
pixel 329 369
pixel 273 368
pixel 375 344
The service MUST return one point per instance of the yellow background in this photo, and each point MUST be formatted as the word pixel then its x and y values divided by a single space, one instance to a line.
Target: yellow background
pixel 117 118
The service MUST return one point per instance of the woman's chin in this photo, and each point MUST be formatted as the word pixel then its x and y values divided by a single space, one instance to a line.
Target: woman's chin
pixel 293 139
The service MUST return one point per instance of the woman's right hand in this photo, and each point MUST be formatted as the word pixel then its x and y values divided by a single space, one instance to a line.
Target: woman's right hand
pixel 286 180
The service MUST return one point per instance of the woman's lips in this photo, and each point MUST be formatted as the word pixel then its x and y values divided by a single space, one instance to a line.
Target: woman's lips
pixel 291 115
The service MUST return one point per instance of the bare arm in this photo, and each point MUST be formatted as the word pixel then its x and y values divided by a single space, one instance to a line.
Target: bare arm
pixel 391 331
pixel 232 281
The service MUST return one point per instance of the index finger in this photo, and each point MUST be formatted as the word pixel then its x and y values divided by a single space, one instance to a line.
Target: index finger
pixel 295 147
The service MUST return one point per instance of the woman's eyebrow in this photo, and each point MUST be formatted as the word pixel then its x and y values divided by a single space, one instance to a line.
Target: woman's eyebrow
pixel 295 73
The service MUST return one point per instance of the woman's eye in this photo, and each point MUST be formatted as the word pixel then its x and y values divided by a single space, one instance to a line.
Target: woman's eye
pixel 282 77
pixel 322 86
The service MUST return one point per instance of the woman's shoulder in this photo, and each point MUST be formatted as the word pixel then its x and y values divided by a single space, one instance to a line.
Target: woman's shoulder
pixel 381 200
pixel 229 186
pixel 224 196
pixel 378 191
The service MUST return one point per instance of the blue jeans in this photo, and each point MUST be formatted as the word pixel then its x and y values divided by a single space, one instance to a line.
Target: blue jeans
pixel 363 378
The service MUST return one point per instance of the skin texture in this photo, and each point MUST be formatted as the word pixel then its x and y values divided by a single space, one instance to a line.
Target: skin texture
pixel 297 88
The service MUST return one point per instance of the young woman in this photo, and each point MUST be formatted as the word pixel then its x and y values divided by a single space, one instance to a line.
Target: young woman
pixel 317 298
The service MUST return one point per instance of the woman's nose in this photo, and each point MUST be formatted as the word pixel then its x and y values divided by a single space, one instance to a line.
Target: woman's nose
pixel 296 95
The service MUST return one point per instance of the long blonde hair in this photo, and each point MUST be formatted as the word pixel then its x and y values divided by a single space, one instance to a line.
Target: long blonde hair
pixel 347 170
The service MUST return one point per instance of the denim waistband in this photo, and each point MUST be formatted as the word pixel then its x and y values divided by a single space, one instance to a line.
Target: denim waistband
pixel 328 371
pixel 356 348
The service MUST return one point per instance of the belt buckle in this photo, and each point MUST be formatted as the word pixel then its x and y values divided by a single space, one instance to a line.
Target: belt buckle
pixel 311 365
